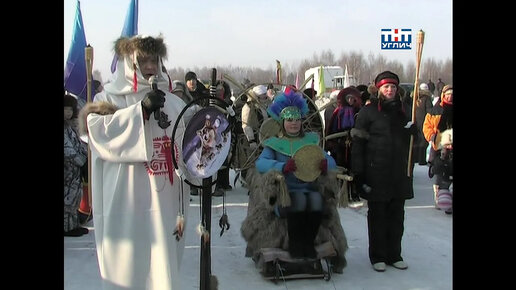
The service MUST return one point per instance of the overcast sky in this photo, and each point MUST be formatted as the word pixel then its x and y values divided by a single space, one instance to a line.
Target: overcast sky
pixel 256 33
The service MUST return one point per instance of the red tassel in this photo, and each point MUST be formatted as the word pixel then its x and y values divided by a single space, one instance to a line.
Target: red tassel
pixel 168 157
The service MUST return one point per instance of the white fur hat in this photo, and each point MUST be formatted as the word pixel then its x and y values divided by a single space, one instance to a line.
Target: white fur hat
pixel 259 90
pixel 423 86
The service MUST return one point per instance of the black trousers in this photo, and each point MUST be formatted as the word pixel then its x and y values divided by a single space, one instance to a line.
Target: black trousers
pixel 223 178
pixel 385 228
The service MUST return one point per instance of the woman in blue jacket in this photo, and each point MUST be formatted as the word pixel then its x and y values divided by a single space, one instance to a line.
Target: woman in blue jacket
pixel 306 203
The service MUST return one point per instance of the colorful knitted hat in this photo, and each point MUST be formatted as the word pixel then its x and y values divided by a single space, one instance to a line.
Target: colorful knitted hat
pixel 289 104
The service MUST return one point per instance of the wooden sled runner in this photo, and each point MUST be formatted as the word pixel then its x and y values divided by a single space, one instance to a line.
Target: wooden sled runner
pixel 277 264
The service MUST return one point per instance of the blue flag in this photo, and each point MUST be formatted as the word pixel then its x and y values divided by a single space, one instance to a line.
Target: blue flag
pixel 75 70
pixel 130 27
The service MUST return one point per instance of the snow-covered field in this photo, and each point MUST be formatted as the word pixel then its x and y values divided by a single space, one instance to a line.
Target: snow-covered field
pixel 426 247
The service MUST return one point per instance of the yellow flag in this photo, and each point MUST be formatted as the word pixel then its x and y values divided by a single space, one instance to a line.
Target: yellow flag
pixel 322 86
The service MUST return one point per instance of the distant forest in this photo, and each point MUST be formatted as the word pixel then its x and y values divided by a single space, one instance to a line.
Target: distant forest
pixel 363 68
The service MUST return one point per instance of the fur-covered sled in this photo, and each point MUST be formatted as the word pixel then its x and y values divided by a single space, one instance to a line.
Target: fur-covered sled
pixel 267 236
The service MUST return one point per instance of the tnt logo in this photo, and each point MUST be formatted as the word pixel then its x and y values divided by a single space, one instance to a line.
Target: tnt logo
pixel 396 38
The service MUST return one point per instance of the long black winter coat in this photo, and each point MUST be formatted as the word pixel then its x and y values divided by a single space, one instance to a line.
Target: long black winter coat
pixel 379 155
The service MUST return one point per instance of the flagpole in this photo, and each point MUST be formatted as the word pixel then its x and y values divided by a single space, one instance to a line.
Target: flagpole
pixel 88 56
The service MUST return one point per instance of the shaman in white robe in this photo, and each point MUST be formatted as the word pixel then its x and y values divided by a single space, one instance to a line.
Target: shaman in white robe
pixel 135 204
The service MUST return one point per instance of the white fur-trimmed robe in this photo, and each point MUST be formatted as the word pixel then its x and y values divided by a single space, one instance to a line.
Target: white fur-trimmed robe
pixel 134 204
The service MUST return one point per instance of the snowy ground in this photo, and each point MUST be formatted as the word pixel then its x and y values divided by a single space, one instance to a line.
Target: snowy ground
pixel 426 247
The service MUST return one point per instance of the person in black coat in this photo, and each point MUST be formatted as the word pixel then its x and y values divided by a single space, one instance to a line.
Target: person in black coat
pixel 222 185
pixel 431 86
pixel 379 158
pixel 423 106
pixel 196 88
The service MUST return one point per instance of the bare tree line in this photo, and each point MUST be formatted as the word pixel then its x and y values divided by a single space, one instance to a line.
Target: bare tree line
pixel 363 68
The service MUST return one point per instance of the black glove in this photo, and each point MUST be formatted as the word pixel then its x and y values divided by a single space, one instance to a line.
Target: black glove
pixel 153 100
pixel 360 186
pixel 412 128
pixel 357 180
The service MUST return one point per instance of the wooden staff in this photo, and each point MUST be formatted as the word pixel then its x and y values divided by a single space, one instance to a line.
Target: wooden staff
pixel 88 55
pixel 419 51
pixel 278 72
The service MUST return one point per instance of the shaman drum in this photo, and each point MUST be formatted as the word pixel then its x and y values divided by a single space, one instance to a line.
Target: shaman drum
pixel 269 128
pixel 308 159
pixel 206 142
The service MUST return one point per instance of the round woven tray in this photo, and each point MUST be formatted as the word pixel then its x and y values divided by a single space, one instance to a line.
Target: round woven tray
pixel 308 159
pixel 269 128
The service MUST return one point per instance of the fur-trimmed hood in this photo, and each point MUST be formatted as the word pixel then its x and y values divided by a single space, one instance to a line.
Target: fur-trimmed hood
pixel 101 108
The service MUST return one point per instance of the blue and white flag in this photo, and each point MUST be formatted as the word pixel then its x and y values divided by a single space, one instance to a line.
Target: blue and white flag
pixel 130 27
pixel 75 70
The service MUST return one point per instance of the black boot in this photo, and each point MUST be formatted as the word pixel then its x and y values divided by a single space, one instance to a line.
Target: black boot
pixel 77 232
pixel 84 218
pixel 295 234
pixel 311 228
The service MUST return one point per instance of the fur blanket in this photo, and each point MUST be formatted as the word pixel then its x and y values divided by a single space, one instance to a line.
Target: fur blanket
pixel 263 229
